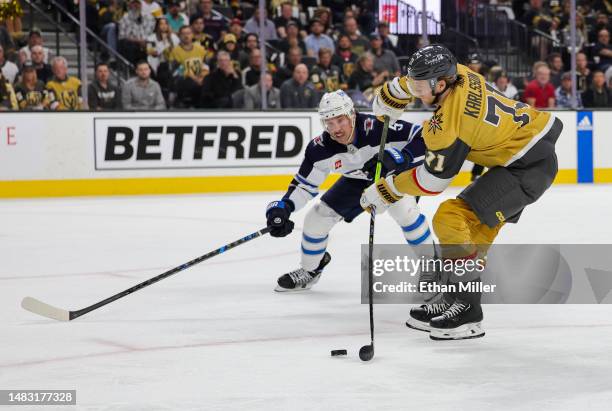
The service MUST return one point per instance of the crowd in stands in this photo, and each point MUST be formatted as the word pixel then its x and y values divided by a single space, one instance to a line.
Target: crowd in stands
pixel 550 84
pixel 206 54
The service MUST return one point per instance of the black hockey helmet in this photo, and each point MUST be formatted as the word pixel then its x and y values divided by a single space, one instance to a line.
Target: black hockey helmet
pixel 432 62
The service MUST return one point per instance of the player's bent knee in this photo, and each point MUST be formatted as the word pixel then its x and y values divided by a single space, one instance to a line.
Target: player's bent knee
pixel 320 219
pixel 451 222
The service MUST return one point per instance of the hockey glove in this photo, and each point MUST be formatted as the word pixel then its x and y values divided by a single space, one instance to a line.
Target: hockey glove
pixel 380 195
pixel 277 215
pixel 394 162
pixel 386 104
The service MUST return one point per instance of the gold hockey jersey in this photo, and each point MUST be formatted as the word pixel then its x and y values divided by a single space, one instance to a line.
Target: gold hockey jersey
pixel 65 95
pixel 477 123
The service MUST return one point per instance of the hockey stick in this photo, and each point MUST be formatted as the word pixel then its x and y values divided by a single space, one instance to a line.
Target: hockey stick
pixel 366 353
pixel 46 310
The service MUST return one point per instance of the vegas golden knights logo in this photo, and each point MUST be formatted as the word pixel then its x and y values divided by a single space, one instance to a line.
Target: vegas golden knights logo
pixel 348 69
pixel 68 99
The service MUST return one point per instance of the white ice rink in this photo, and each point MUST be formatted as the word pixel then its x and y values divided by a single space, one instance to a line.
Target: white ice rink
pixel 216 337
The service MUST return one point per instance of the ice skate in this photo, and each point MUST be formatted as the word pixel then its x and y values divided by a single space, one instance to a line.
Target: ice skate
pixel 300 279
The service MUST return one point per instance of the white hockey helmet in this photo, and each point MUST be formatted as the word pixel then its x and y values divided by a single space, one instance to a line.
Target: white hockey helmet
pixel 334 104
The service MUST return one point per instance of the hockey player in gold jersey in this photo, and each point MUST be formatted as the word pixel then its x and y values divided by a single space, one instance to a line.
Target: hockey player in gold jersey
pixel 475 122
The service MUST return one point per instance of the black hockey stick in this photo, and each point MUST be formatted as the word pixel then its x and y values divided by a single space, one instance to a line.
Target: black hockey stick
pixel 46 310
pixel 366 353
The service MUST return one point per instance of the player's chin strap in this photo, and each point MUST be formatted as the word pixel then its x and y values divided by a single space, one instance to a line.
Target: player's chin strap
pixel 432 84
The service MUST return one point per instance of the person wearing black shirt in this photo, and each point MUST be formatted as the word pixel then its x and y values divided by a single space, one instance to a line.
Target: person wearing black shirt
pixel 102 95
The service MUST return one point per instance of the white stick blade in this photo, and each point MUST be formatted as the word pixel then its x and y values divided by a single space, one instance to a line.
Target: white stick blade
pixel 38 307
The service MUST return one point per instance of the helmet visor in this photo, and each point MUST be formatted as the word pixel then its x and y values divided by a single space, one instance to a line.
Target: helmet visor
pixel 419 88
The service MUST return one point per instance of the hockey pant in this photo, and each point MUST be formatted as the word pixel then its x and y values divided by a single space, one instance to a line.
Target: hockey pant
pixel 341 202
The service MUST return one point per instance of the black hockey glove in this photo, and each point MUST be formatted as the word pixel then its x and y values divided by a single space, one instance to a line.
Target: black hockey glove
pixel 394 162
pixel 277 214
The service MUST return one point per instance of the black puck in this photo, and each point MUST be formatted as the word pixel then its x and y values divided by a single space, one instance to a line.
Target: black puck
pixel 335 353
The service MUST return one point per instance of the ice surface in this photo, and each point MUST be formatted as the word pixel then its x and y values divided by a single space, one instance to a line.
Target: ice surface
pixel 216 337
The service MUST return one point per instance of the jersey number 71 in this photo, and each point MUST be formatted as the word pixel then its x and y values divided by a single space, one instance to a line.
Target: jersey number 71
pixel 493 103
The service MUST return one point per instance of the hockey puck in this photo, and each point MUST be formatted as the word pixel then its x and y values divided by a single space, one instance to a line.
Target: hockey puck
pixel 335 353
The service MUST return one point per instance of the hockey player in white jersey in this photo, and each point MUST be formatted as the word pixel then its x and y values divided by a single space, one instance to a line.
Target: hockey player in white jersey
pixel 349 146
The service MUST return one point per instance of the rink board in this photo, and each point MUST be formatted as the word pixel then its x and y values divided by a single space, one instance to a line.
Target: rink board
pixel 74 154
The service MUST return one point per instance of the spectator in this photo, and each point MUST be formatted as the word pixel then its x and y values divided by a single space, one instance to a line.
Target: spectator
pixel 214 23
pixel 324 75
pixel 359 43
pixel 102 94
pixel 603 50
pixel 134 28
pixel 555 62
pixel 34 39
pixel 175 18
pixel 474 63
pixel 316 39
pixel 286 17
pixel 8 68
pixel 292 38
pixel 384 60
pixel 108 20
pixel 151 8
pixel 583 73
pixel 253 25
pixel 503 85
pixel 43 70
pixel 284 73
pixel 252 95
pixel 221 83
pixel 345 58
pixel 236 55
pixel 236 29
pixel 187 61
pixel 298 92
pixel 581 34
pixel 252 73
pixel 142 92
pixel 203 39
pixel 598 95
pixel 64 91
pixel 537 16
pixel 601 23
pixel 251 41
pixel 563 93
pixel 30 92
pixel 389 40
pixel 364 76
pixel 540 93
pixel 6 40
pixel 325 17
pixel 160 43
pixel 8 100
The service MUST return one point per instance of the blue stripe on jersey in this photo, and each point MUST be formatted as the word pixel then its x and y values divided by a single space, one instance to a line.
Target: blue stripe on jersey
pixel 313 252
pixel 416 224
pixel 313 239
pixel 303 181
pixel 421 239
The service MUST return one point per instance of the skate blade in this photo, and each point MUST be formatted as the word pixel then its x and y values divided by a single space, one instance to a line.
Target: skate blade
pixel 418 325
pixel 307 287
pixel 280 289
pixel 464 332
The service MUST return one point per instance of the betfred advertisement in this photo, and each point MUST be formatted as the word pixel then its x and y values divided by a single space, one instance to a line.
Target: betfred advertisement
pixel 200 142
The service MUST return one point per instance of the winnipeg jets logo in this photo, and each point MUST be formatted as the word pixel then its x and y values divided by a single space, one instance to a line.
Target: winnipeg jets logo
pixel 435 123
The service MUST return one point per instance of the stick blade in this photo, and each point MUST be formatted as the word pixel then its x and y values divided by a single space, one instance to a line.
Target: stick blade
pixel 38 307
